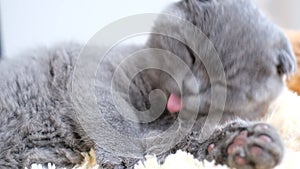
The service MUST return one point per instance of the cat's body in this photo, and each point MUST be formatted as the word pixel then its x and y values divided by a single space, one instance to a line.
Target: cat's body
pixel 38 113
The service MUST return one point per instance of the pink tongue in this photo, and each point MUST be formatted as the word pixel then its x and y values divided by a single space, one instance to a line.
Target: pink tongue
pixel 174 104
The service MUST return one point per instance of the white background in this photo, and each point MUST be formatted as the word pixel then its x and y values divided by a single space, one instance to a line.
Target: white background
pixel 32 23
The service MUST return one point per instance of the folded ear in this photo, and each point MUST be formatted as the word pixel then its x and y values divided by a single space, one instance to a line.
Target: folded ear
pixel 286 63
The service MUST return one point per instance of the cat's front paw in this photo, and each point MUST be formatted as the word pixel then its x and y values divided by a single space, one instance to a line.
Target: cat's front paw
pixel 255 147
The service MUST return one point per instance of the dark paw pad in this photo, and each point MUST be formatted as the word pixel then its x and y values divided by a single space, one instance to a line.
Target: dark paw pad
pixel 257 147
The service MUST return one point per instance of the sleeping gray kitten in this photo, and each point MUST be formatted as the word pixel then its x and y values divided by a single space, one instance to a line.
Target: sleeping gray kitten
pixel 39 120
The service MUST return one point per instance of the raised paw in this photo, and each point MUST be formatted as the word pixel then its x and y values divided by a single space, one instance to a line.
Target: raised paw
pixel 255 147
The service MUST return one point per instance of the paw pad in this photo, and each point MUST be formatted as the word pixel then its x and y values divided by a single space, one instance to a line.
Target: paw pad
pixel 211 147
pixel 240 160
pixel 255 147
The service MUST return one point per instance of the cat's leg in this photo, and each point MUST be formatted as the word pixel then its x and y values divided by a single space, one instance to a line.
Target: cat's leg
pixel 241 145
pixel 19 155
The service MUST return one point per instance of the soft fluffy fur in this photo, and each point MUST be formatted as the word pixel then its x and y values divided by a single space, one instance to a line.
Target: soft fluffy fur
pixel 38 115
pixel 283 114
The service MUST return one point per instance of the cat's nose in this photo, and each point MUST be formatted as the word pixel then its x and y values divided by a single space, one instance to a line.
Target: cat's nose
pixel 191 86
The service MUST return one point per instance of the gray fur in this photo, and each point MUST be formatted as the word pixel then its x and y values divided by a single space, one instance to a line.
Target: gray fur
pixel 240 34
pixel 37 114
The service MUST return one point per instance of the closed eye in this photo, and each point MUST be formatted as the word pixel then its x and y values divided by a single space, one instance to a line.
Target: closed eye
pixel 280 70
pixel 192 55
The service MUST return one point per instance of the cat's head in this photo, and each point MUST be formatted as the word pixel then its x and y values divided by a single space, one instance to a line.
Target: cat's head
pixel 255 54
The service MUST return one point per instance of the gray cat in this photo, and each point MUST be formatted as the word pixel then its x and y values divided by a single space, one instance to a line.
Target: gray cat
pixel 42 120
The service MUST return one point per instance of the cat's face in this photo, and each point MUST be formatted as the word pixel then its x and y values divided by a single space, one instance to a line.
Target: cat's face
pixel 255 54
